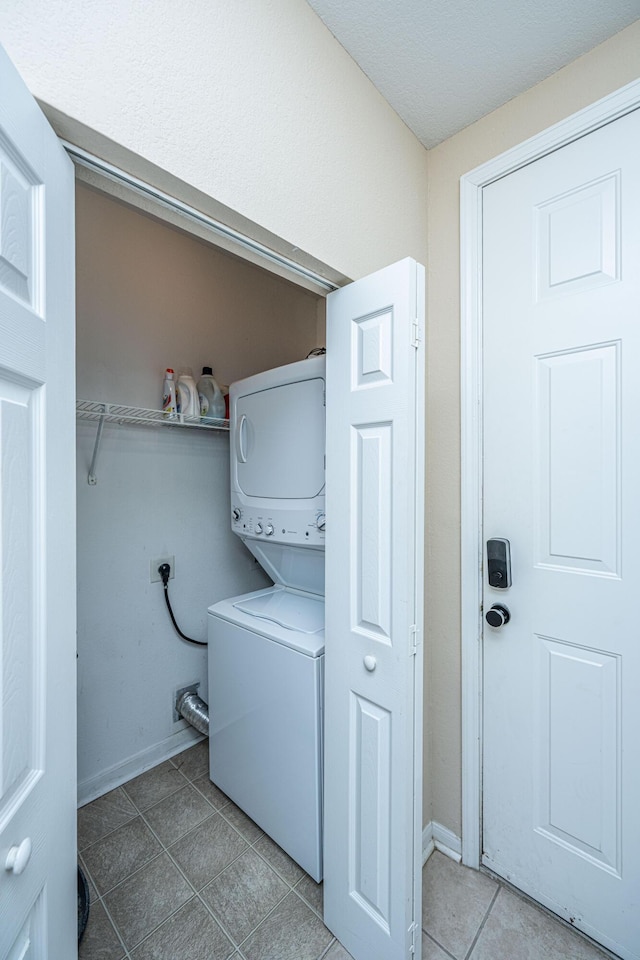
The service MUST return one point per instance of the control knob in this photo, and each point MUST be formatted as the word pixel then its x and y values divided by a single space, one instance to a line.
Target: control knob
pixel 235 513
pixel 258 527
pixel 321 521
pixel 268 530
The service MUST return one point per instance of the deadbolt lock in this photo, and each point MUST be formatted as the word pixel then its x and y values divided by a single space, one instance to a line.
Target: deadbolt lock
pixel 499 563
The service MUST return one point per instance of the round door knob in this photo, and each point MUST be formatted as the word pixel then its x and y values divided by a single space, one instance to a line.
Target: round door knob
pixel 18 857
pixel 497 616
pixel 370 663
pixel 258 528
pixel 321 521
pixel 268 530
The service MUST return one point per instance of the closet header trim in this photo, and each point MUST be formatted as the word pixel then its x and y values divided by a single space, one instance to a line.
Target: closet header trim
pixel 91 162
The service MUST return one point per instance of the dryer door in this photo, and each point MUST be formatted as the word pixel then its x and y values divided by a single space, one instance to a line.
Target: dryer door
pixel 279 441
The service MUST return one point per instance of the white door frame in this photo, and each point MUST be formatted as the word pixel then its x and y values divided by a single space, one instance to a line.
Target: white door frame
pixel 596 115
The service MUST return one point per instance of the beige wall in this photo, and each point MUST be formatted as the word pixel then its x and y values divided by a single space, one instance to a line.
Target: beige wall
pixel 253 103
pixel 166 298
pixel 586 80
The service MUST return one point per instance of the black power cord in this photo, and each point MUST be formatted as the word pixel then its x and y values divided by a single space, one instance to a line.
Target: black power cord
pixel 165 571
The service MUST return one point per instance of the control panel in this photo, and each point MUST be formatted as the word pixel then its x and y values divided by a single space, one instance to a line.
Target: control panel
pixel 282 526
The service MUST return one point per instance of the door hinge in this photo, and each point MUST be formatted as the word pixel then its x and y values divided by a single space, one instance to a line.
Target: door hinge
pixel 414 635
pixel 415 333
pixel 412 933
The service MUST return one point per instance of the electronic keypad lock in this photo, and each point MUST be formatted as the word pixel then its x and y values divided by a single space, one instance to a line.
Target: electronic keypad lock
pixel 499 563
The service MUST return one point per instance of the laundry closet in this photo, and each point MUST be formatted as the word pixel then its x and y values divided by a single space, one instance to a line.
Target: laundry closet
pixel 150 296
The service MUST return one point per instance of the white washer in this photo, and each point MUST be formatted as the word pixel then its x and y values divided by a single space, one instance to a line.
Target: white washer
pixel 266 655
pixel 266 649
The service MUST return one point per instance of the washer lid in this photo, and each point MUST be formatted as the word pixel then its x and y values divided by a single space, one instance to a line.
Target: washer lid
pixel 301 611
pixel 291 610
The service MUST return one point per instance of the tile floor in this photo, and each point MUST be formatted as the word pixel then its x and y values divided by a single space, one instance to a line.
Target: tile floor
pixel 175 869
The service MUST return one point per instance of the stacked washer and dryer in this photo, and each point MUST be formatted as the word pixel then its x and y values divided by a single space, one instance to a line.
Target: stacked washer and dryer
pixel 266 648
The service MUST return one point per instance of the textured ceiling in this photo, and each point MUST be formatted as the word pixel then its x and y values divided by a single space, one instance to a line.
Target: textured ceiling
pixel 442 64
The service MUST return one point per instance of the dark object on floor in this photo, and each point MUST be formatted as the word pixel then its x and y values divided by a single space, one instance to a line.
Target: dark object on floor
pixel 83 903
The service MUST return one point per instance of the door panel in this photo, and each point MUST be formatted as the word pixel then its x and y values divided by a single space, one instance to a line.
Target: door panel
pixel 561 347
pixel 31 940
pixel 370 750
pixel 373 666
pixel 578 791
pixel 21 228
pixel 371 458
pixel 578 238
pixel 23 656
pixel 578 491
pixel 38 916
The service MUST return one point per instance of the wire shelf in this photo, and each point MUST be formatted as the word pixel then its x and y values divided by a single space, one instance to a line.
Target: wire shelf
pixel 102 413
pixel 115 413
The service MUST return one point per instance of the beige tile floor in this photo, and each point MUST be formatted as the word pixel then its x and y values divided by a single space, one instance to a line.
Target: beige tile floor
pixel 466 915
pixel 175 869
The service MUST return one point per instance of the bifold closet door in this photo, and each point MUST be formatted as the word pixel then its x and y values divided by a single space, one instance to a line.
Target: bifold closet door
pixel 373 637
pixel 38 866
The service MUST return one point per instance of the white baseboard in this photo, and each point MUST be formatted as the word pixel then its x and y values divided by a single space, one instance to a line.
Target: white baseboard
pixel 437 837
pixel 118 774
pixel 428 846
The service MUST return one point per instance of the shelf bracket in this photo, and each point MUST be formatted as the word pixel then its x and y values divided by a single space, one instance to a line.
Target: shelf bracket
pixel 101 413
pixel 92 479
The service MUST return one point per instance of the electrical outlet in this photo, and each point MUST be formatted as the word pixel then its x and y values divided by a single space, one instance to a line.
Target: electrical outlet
pixel 154 576
pixel 179 692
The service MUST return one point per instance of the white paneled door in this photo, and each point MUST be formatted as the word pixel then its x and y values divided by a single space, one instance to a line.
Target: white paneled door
pixel 38 890
pixel 561 346
pixel 373 648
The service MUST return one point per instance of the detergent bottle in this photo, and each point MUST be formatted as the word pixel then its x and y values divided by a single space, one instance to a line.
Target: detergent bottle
pixel 212 405
pixel 188 403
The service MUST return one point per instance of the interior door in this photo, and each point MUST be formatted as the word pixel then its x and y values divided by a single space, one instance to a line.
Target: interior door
pixel 38 888
pixel 373 649
pixel 561 292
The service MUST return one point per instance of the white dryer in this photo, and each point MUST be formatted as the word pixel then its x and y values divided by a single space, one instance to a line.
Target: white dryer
pixel 266 648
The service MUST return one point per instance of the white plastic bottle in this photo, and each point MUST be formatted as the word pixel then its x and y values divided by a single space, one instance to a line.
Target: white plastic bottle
pixel 188 402
pixel 212 405
pixel 169 402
